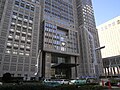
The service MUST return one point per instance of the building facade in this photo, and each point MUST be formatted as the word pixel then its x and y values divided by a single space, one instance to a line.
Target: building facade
pixel 60 39
pixel 19 37
pixel 49 39
pixel 90 60
pixel 109 36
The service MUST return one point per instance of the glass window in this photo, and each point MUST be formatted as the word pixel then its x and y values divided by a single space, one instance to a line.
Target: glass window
pixel 22 4
pixel 31 18
pixel 61 38
pixel 20 15
pixel 19 22
pixel 13 20
pixel 27 6
pixel 25 23
pixel 30 24
pixel 24 29
pixel 30 30
pixel 14 52
pixel 62 48
pixel 32 8
pixel 17 3
pixel 21 53
pixel 26 17
pixel 46 24
pixel 22 38
pixel 27 54
pixel 15 45
pixel 113 23
pixel 14 13
pixel 9 43
pixel 17 37
pixel 18 28
pixel 118 21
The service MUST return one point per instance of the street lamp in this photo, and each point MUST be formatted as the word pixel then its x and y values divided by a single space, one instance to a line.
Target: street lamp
pixel 95 63
pixel 100 48
pixel 96 67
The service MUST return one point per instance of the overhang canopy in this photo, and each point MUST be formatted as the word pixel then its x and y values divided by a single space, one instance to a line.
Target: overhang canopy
pixel 64 65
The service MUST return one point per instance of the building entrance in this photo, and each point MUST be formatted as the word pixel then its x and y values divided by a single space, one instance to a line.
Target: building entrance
pixel 61 67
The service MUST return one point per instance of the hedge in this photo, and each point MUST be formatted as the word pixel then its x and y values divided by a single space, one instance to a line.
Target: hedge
pixel 43 87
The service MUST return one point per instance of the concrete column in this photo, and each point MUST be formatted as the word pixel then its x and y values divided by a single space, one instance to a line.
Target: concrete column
pixel 111 70
pixel 73 73
pixel 108 71
pixel 48 65
pixel 105 71
pixel 118 70
pixel 114 71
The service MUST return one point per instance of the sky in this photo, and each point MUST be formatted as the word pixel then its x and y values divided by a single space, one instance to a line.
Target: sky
pixel 105 10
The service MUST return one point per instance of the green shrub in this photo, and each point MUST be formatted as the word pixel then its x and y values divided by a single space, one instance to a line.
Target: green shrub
pixel 37 86
pixel 6 78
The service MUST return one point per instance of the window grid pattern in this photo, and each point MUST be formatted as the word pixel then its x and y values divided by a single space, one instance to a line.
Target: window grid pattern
pixel 59 9
pixel 60 39
pixel 20 33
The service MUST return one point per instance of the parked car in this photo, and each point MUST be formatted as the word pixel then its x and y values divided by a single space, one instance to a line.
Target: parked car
pixel 1 83
pixel 51 83
pixel 77 82
pixel 62 81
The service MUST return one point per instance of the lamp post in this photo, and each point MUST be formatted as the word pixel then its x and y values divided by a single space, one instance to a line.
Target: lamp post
pixel 96 67
pixel 99 48
pixel 95 63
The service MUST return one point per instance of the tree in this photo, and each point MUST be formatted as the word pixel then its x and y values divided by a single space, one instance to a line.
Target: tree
pixel 6 77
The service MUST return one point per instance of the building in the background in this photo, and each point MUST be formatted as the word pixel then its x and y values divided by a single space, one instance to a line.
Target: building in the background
pixel 109 35
pixel 19 37
pixel 90 58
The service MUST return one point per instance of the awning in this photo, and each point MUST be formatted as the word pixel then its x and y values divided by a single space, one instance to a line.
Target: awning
pixel 64 65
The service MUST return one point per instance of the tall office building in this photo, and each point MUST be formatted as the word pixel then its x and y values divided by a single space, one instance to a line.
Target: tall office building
pixel 19 37
pixel 60 39
pixel 48 38
pixel 109 36
pixel 90 60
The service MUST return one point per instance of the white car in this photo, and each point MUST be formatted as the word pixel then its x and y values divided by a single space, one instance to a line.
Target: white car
pixel 63 81
pixel 1 83
pixel 60 81
pixel 47 80
pixel 77 82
